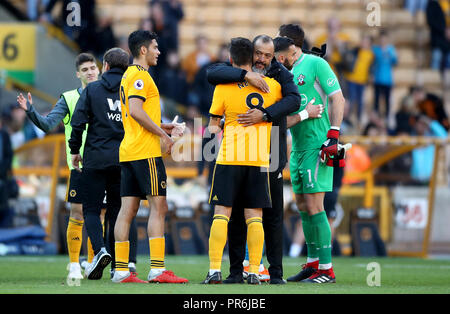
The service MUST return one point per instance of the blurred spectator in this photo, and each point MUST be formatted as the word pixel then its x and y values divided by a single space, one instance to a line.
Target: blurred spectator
pixel 84 35
pixel 376 126
pixel 163 20
pixel 20 129
pixel 337 42
pixel 172 14
pixel 422 158
pixel 359 74
pixel 34 7
pixel 438 19
pixel 431 105
pixel 385 59
pixel 173 86
pixel 197 58
pixel 348 127
pixel 105 37
pixel 6 156
pixel 414 6
pixel 404 117
pixel 202 91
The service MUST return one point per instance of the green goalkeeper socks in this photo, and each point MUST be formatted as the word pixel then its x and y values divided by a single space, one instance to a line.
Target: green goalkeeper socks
pixel 309 233
pixel 321 227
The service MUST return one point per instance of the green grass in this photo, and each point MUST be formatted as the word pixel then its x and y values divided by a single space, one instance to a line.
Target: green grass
pixel 46 275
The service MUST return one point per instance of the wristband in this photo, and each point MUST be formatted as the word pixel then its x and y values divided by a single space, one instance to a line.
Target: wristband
pixel 333 133
pixel 303 115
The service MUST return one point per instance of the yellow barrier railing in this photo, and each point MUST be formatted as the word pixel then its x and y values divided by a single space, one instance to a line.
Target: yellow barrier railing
pixel 402 145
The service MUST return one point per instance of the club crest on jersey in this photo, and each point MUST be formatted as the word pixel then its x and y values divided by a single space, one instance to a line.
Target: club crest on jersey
pixel 139 84
pixel 301 80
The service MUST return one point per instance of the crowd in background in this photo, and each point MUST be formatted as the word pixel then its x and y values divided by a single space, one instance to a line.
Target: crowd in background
pixel 182 83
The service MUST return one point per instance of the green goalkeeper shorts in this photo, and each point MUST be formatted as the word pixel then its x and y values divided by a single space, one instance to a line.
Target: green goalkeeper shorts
pixel 308 173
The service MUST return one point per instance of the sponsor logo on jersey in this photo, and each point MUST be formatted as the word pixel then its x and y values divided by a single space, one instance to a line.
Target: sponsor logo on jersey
pixel 331 82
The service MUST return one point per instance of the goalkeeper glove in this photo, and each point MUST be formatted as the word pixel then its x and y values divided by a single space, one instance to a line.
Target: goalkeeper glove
pixel 329 148
pixel 339 159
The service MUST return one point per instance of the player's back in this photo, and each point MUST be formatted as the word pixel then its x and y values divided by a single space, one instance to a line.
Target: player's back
pixel 138 143
pixel 239 143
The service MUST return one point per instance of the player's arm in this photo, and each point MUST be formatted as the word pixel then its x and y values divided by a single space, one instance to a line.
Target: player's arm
pixel 330 85
pixel 337 109
pixel 217 110
pixel 291 98
pixel 224 73
pixel 49 122
pixel 138 113
pixel 78 122
pixel 311 111
pixel 289 103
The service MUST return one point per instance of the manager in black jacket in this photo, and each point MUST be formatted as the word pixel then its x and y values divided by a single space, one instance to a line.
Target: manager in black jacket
pixel 99 107
pixel 264 63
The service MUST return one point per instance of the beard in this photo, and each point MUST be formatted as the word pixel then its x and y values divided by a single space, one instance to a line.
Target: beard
pixel 287 65
pixel 262 71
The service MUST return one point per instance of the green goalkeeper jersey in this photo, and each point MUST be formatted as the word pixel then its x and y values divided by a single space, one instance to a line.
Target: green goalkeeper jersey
pixel 315 79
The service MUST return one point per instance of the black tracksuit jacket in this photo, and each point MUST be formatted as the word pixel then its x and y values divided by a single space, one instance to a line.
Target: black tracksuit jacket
pixel 99 106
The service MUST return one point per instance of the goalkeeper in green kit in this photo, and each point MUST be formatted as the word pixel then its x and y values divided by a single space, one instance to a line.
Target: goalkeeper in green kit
pixel 315 151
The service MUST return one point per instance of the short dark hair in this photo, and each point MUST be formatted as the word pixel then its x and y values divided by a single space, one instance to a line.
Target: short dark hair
pixel 264 39
pixel 139 38
pixel 241 51
pixel 294 32
pixel 282 43
pixel 82 58
pixel 117 58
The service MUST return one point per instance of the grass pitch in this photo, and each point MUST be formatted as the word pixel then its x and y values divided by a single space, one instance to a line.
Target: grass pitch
pixel 47 275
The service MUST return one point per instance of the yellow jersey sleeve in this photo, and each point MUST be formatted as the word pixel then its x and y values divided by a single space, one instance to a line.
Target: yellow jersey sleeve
pixel 218 102
pixel 139 85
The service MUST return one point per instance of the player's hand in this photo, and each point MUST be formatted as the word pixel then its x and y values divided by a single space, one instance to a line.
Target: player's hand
pixel 178 128
pixel 76 160
pixel 257 80
pixel 329 148
pixel 339 159
pixel 314 111
pixel 251 117
pixel 167 144
pixel 23 101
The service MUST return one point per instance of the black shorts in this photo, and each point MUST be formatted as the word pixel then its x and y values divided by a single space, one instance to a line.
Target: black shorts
pixel 73 194
pixel 249 185
pixel 143 177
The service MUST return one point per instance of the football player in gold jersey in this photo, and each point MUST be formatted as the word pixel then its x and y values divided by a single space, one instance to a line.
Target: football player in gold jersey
pixel 143 172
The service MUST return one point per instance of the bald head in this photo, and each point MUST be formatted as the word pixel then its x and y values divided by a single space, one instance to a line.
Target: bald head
pixel 263 53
